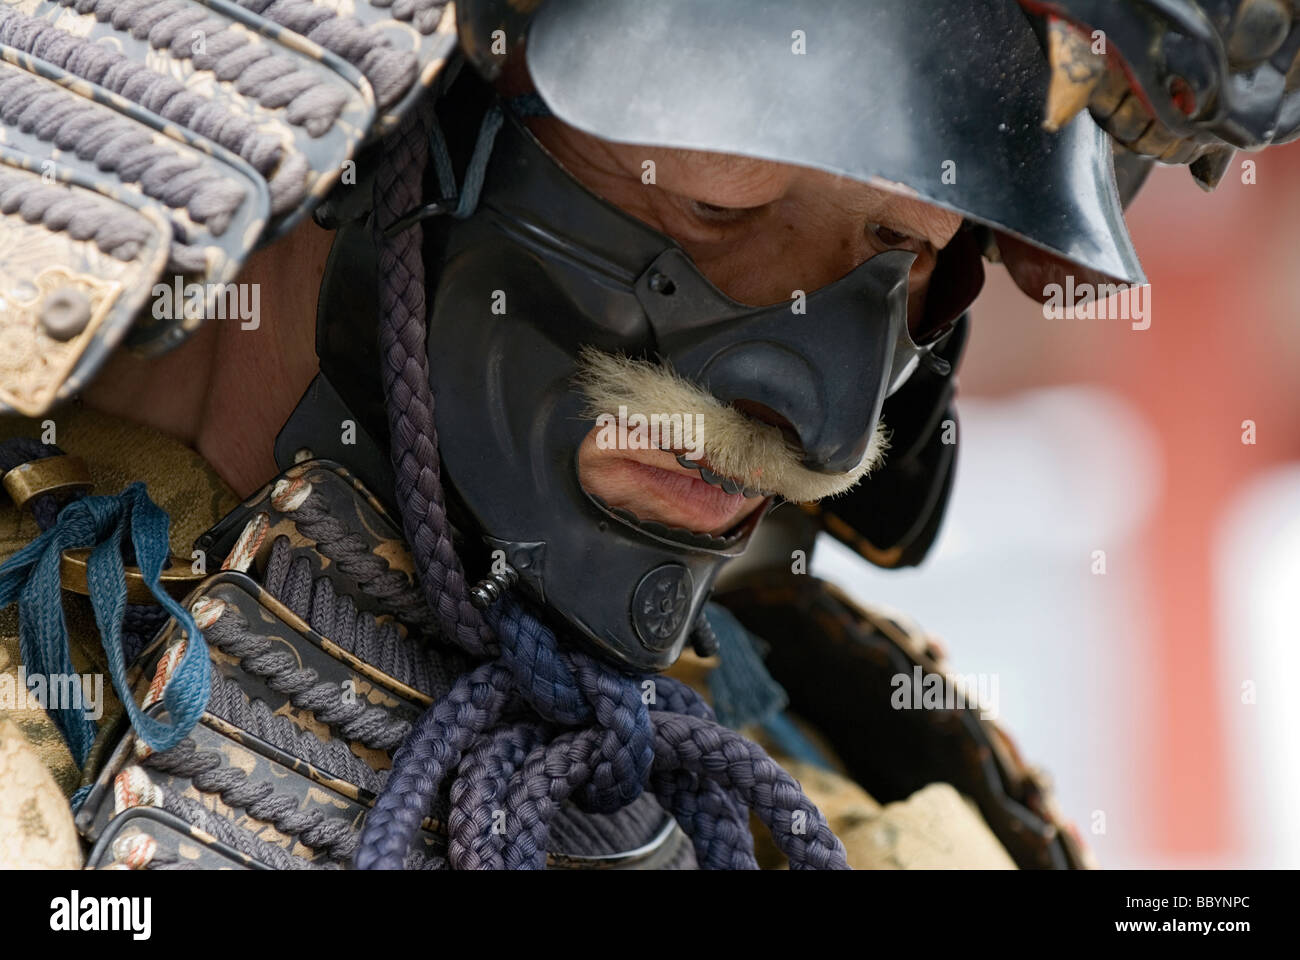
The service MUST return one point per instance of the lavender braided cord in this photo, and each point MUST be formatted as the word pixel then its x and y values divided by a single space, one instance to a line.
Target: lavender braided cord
pixel 548 777
pixel 716 825
pixel 604 769
pixel 477 796
pixel 436 745
pixel 406 386
pixel 571 688
pixel 707 815
pixel 712 751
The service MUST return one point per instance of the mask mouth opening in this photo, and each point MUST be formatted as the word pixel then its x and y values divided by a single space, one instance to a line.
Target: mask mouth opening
pixel 726 484
pixel 679 536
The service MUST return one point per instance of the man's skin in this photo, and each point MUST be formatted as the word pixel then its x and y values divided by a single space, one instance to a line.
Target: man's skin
pixel 226 392
pixel 758 230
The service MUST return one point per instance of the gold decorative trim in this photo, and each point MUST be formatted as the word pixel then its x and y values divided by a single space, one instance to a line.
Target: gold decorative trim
pixel 62 474
pixel 177 580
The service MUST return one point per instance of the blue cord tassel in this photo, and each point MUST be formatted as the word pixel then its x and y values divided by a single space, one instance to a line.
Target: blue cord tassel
pixel 31 576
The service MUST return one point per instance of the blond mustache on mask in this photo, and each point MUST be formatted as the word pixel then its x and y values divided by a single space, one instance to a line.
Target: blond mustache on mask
pixel 754 454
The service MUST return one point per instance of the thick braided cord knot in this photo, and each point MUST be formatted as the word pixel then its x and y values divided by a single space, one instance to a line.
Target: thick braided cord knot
pixel 572 689
pixel 617 748
pixel 479 791
pixel 434 748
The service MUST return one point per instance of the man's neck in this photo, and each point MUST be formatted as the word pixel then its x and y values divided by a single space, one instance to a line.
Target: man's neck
pixel 228 390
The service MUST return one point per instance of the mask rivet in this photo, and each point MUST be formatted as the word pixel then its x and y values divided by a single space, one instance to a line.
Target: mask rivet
pixel 488 590
pixel 662 283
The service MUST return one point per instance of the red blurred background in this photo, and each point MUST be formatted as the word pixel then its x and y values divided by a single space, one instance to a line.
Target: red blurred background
pixel 1223 347
pixel 1159 696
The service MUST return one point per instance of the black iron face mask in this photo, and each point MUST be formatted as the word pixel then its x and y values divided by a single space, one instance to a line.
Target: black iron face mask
pixel 544 268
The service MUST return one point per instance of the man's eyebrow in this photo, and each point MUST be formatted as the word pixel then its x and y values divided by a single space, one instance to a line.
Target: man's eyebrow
pixel 724 178
pixel 715 161
pixel 929 222
pixel 937 225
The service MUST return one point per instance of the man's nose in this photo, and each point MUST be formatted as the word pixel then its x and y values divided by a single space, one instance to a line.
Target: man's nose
pixel 828 414
pixel 821 373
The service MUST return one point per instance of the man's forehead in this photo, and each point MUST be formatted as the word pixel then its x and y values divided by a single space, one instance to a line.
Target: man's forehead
pixel 741 178
pixel 735 180
pixel 730 179
pixel 747 175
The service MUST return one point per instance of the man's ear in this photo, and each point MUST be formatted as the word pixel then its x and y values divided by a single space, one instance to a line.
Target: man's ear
pixel 1033 269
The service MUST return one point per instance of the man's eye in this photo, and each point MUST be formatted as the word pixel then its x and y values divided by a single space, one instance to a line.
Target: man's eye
pixel 890 237
pixel 712 213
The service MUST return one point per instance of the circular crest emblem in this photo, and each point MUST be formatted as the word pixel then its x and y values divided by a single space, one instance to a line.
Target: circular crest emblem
pixel 660 604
